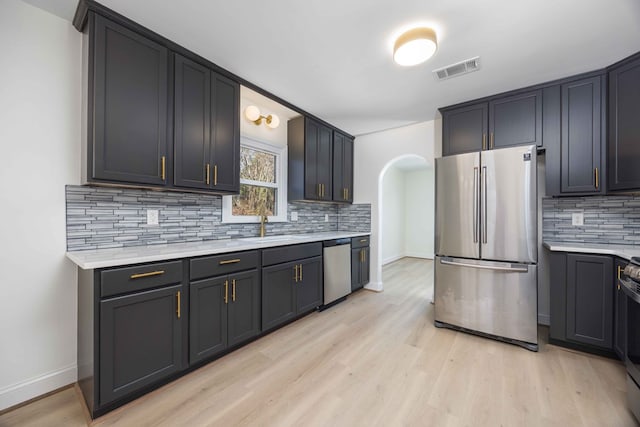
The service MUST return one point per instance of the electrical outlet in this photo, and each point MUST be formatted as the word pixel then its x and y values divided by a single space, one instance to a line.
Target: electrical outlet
pixel 152 217
pixel 577 218
pixel 326 217
pixel 294 216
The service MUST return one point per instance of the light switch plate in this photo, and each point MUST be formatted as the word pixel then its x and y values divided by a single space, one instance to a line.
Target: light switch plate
pixel 152 217
pixel 294 216
pixel 577 218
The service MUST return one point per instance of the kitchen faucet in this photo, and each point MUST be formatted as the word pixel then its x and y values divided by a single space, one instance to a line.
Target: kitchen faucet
pixel 263 221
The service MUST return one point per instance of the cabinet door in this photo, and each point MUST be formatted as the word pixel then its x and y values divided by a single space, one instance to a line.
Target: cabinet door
pixel 590 300
pixel 366 265
pixel 356 269
pixel 516 120
pixel 244 307
pixel 620 312
pixel 140 341
pixel 342 168
pixel 225 135
pixel 317 161
pixel 192 124
pixel 208 301
pixel 581 139
pixel 624 127
pixel 309 285
pixel 464 129
pixel 128 116
pixel 278 299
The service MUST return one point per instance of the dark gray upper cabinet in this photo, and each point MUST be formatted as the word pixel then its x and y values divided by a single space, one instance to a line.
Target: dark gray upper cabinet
pixel 309 285
pixel 192 124
pixel 464 129
pixel 207 318
pixel 620 311
pixel 589 315
pixel 207 129
pixel 128 106
pixel 342 168
pixel 310 145
pixel 624 126
pixel 244 307
pixel 581 140
pixel 516 120
pixel 140 341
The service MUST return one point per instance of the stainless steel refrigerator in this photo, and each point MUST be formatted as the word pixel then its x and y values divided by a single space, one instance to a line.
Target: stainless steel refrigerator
pixel 486 244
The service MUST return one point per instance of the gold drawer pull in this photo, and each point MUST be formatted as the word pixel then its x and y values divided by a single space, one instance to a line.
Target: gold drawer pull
pixel 296 270
pixel 178 311
pixel 215 174
pixel 149 274
pixel 163 166
pixel 226 291
pixel 301 272
pixel 207 172
pixel 233 290
pixel 230 261
pixel 363 240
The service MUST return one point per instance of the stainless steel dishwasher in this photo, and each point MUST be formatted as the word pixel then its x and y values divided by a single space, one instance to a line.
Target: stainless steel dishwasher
pixel 337 271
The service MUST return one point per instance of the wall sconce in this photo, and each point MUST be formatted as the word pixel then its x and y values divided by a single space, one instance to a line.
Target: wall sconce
pixel 253 113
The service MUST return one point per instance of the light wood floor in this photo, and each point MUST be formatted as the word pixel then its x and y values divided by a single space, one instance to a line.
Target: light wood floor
pixel 375 359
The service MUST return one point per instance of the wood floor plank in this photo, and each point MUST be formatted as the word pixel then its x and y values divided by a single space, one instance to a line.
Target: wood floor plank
pixel 374 360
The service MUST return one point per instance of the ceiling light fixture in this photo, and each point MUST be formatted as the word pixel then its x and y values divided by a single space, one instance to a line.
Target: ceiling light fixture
pixel 415 46
pixel 253 113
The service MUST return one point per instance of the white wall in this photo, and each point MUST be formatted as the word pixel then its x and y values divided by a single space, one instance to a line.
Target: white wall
pixel 419 210
pixel 372 153
pixel 393 214
pixel 40 136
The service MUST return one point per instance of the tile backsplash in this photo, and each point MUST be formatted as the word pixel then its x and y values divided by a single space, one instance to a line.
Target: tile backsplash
pixel 99 218
pixel 607 219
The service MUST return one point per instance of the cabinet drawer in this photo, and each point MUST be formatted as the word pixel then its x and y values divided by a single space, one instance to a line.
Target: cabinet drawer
pixel 145 276
pixel 290 253
pixel 359 242
pixel 222 264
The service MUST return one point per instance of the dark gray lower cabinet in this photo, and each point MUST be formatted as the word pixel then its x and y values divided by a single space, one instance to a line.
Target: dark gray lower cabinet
pixel 224 311
pixel 360 264
pixel 308 287
pixel 620 312
pixel 582 309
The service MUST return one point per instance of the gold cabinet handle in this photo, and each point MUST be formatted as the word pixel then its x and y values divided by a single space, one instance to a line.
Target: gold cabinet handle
pixel 233 290
pixel 226 291
pixel 149 274
pixel 215 174
pixel 163 167
pixel 229 261
pixel 619 272
pixel 178 302
pixel 363 240
pixel 301 272
pixel 484 141
pixel 597 178
pixel 319 190
pixel 491 141
pixel 361 255
pixel 207 172
pixel 296 274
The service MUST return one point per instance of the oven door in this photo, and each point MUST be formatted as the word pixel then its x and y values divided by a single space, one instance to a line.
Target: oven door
pixel 632 361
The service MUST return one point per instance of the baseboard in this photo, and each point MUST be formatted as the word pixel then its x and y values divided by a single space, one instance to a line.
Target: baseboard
pixel 544 319
pixel 419 255
pixel 25 390
pixel 392 259
pixel 374 286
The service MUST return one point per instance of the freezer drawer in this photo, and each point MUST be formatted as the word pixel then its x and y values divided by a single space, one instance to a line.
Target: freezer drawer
pixel 496 298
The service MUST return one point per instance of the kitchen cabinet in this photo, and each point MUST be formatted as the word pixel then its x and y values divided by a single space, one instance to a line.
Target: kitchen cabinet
pixel 291 282
pixel 131 330
pixel 620 311
pixel 582 305
pixel 500 122
pixel 224 309
pixel 581 138
pixel 310 145
pixel 624 126
pixel 360 264
pixel 207 128
pixel 128 108
pixel 342 168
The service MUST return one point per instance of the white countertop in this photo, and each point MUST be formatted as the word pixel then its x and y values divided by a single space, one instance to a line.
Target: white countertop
pixel 622 251
pixel 100 258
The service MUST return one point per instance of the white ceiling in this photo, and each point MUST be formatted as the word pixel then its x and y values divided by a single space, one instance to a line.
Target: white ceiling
pixel 332 58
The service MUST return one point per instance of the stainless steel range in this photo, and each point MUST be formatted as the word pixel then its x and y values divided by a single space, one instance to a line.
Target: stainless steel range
pixel 630 282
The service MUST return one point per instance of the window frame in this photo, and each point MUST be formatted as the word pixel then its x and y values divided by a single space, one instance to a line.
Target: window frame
pixel 280 153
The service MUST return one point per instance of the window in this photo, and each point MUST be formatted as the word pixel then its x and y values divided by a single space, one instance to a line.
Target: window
pixel 263 184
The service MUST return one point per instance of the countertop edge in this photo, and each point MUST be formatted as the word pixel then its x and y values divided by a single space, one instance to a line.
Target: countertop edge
pixel 105 258
pixel 619 251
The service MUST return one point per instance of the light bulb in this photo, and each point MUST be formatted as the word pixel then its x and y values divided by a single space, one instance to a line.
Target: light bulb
pixel 252 113
pixel 273 121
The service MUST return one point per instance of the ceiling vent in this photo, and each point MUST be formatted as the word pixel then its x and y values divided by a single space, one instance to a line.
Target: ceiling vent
pixel 457 69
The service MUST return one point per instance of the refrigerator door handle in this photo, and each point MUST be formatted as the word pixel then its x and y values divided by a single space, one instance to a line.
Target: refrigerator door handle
pixel 483 231
pixel 476 197
pixel 518 269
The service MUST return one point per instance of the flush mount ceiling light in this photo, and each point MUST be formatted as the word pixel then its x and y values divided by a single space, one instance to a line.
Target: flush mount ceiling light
pixel 253 113
pixel 415 46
